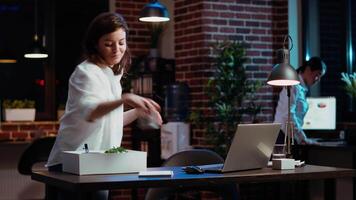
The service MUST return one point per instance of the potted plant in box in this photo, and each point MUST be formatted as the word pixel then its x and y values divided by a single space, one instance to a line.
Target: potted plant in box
pixel 19 110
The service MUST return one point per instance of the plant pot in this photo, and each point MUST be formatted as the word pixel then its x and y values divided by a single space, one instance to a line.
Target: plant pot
pixel 23 114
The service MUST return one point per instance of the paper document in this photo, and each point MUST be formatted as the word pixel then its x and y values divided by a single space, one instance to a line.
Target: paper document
pixel 155 173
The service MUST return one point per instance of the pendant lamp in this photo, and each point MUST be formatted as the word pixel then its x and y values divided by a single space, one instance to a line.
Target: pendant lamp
pixel 36 50
pixel 154 12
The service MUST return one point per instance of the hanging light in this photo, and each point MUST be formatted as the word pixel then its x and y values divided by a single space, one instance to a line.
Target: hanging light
pixel 36 50
pixel 154 12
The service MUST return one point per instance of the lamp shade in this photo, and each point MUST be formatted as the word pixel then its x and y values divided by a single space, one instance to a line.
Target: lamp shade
pixel 283 74
pixel 36 50
pixel 154 12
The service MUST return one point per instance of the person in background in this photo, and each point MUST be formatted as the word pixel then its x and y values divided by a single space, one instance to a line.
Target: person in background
pixel 309 74
pixel 94 113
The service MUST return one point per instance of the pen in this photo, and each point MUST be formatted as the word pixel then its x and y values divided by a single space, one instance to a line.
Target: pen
pixel 86 148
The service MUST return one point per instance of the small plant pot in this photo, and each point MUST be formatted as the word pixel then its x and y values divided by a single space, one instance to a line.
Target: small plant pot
pixel 23 114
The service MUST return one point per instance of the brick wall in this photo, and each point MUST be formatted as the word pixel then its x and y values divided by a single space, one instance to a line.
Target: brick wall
pixel 139 35
pixel 27 131
pixel 198 24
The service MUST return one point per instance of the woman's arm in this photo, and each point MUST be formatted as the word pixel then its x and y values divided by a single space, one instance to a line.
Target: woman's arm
pixel 103 108
pixel 135 101
pixel 130 116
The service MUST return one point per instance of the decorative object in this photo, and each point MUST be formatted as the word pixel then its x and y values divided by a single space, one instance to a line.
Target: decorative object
pixel 154 12
pixel 19 110
pixel 283 74
pixel 36 50
pixel 230 95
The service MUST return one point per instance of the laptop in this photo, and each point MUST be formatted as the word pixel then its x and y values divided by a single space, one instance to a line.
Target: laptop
pixel 251 148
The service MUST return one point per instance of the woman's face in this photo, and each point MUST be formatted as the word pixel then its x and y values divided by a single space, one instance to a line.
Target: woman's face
pixel 112 47
pixel 311 77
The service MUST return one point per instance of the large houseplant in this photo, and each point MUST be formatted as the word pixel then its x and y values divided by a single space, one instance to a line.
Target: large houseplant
pixel 19 110
pixel 230 96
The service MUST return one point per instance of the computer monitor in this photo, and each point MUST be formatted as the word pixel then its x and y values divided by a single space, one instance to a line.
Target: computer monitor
pixel 321 114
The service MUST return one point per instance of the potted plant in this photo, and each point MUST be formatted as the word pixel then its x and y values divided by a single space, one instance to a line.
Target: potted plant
pixel 350 88
pixel 230 95
pixel 19 110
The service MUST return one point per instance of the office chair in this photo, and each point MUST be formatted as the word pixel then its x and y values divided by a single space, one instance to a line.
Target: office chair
pixel 193 157
pixel 37 151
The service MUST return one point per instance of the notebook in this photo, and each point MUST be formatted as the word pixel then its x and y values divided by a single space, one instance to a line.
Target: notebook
pixel 251 148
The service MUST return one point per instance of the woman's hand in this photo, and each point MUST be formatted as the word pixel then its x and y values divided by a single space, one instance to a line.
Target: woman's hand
pixel 145 104
pixel 153 116
pixel 310 141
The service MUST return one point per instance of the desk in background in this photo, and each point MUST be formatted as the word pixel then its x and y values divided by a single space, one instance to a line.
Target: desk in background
pixel 82 184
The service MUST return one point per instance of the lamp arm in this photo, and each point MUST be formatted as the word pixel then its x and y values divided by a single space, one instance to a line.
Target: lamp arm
pixel 289 136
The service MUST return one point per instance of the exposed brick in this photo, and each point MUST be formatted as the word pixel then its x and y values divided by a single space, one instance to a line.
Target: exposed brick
pixel 5 136
pixel 21 136
pixel 9 127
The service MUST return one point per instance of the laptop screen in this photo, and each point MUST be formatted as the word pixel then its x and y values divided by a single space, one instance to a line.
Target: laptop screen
pixel 251 146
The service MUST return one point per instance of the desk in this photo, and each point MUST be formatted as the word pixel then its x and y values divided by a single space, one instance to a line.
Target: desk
pixel 336 154
pixel 82 184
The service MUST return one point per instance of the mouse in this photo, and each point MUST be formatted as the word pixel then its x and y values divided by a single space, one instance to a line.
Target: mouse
pixel 193 170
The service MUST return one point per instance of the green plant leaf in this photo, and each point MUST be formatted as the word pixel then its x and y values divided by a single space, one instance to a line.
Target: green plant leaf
pixel 116 150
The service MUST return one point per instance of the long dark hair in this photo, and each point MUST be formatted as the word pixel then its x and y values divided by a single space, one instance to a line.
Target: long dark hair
pixel 102 24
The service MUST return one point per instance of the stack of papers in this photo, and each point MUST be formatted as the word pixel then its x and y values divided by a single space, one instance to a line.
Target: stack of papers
pixel 155 173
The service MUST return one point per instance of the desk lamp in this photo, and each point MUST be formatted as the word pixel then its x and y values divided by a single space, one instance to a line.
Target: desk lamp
pixel 283 74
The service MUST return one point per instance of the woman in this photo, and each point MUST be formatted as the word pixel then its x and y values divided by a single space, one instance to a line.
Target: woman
pixel 309 74
pixel 94 110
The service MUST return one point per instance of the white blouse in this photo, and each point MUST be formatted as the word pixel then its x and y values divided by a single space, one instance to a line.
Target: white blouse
pixel 89 85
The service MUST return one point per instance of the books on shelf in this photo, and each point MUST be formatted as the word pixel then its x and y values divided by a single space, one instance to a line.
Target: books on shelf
pixel 142 85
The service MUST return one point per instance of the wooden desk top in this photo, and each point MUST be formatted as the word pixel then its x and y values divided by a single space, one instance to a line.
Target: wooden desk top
pixel 180 178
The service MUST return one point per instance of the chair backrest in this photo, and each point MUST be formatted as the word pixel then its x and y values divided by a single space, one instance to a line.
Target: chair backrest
pixel 194 157
pixel 37 151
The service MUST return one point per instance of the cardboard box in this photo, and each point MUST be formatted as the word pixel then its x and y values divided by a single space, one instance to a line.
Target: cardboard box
pixel 98 162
